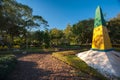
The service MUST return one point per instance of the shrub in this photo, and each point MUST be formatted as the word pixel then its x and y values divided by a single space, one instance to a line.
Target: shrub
pixel 7 64
pixel 3 47
pixel 16 46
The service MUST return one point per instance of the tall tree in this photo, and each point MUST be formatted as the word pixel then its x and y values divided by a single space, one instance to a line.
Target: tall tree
pixel 56 36
pixel 83 31
pixel 69 37
pixel 16 18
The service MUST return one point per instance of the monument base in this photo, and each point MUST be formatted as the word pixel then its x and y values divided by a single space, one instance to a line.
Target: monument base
pixel 107 63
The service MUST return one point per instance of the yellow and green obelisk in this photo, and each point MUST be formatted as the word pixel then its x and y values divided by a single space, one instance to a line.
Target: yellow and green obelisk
pixel 101 40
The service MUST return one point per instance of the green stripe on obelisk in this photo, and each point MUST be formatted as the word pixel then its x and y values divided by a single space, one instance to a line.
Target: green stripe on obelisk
pixel 99 20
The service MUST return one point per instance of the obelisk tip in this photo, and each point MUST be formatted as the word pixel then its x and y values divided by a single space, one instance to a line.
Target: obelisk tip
pixel 98 7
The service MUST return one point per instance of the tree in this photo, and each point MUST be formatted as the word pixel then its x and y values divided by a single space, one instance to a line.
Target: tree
pixel 46 39
pixel 69 37
pixel 16 19
pixel 56 36
pixel 83 31
pixel 40 38
pixel 114 29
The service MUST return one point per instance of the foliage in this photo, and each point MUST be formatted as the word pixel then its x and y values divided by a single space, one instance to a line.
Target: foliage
pixel 70 58
pixel 16 46
pixel 83 31
pixel 16 19
pixel 68 34
pixel 114 29
pixel 7 64
pixel 78 34
pixel 40 39
pixel 56 36
pixel 3 47
pixel 38 35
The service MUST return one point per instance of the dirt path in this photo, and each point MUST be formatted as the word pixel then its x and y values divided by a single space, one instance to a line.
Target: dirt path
pixel 43 67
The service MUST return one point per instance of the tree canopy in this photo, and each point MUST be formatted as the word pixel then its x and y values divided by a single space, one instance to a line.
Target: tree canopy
pixel 17 18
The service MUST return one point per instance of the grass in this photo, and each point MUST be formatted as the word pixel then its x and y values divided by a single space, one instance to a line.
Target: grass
pixel 37 49
pixel 72 60
pixel 29 50
pixel 117 49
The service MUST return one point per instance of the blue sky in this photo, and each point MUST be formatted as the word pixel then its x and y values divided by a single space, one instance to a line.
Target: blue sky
pixel 59 13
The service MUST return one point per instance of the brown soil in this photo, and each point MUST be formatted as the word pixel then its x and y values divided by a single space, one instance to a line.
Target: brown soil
pixel 43 67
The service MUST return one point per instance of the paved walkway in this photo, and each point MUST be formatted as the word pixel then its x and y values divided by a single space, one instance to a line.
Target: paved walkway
pixel 43 67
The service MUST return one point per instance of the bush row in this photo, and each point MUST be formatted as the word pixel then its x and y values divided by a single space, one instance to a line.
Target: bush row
pixel 7 64
pixel 6 47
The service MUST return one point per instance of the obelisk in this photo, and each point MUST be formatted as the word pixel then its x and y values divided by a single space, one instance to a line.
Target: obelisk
pixel 101 40
pixel 101 56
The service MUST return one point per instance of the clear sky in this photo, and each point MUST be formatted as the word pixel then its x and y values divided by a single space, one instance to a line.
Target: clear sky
pixel 59 13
